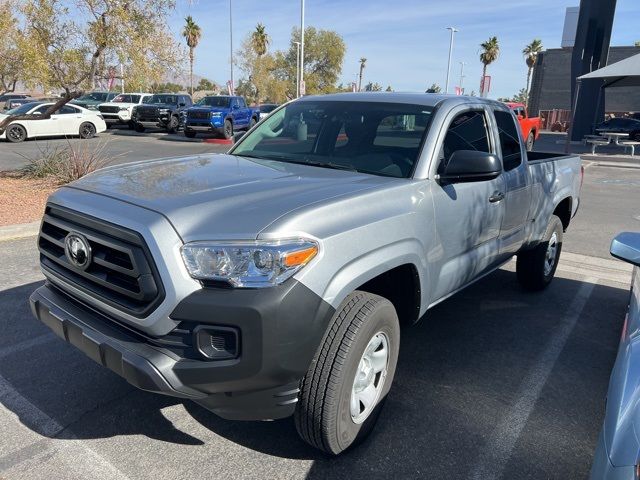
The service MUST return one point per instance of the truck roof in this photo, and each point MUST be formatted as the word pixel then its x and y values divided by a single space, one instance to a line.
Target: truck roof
pixel 415 98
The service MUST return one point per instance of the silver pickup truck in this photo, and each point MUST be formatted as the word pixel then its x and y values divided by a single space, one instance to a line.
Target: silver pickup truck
pixel 273 280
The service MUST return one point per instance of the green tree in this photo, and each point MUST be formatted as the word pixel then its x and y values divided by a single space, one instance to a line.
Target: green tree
pixel 260 40
pixel 373 87
pixel 363 62
pixel 637 44
pixel 434 88
pixel 389 89
pixel 206 84
pixel 530 53
pixel 11 53
pixel 489 54
pixel 69 46
pixel 167 87
pixel 192 34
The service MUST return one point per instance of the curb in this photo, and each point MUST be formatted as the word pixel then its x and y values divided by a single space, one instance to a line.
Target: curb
pixel 21 230
pixel 219 141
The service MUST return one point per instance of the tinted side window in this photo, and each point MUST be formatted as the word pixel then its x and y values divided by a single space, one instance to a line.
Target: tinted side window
pixel 66 110
pixel 509 140
pixel 241 102
pixel 468 131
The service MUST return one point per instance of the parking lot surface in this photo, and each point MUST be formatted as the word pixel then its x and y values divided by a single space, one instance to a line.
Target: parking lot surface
pixel 493 383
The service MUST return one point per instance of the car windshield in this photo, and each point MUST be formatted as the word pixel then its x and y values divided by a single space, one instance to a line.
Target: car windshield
pixel 370 137
pixel 22 109
pixel 214 101
pixel 267 108
pixel 126 98
pixel 157 99
pixel 95 96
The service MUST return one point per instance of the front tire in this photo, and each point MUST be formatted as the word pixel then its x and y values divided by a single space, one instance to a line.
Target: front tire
pixel 87 130
pixel 173 124
pixel 343 392
pixel 227 131
pixel 16 133
pixel 535 268
pixel 138 128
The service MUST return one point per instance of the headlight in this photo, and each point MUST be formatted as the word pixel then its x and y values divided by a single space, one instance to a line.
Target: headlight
pixel 216 114
pixel 252 264
pixel 164 110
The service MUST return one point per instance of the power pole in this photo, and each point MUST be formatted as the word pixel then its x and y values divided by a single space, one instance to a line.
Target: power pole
pixel 453 30
pixel 301 85
pixel 231 44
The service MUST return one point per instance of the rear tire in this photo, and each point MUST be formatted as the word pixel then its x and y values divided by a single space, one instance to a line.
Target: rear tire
pixel 16 133
pixel 252 122
pixel 530 141
pixel 535 268
pixel 344 389
pixel 87 130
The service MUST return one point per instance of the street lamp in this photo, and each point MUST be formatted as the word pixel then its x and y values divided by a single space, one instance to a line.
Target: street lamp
pixel 297 69
pixel 231 46
pixel 301 87
pixel 462 64
pixel 453 30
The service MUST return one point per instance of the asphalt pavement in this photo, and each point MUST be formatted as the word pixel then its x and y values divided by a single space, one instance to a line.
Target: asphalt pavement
pixel 121 145
pixel 492 383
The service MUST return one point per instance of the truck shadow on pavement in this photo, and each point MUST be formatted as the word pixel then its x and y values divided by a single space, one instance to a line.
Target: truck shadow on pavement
pixel 459 371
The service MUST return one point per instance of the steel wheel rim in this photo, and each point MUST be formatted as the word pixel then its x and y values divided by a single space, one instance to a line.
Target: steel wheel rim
pixel 16 133
pixel 551 254
pixel 369 378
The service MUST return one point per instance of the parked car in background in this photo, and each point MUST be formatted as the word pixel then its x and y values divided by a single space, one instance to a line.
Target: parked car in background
pixel 272 281
pixel 529 126
pixel 221 115
pixel 266 109
pixel 621 125
pixel 120 109
pixel 91 100
pixel 4 99
pixel 16 102
pixel 617 455
pixel 70 120
pixel 161 110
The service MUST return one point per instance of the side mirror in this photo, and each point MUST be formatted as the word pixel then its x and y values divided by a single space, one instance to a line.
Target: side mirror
pixel 236 107
pixel 182 104
pixel 238 136
pixel 471 166
pixel 626 246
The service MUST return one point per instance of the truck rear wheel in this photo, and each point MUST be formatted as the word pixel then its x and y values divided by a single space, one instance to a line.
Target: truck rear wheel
pixel 535 268
pixel 343 392
pixel 530 141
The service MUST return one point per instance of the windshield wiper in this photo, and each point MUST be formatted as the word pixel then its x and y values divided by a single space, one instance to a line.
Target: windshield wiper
pixel 304 161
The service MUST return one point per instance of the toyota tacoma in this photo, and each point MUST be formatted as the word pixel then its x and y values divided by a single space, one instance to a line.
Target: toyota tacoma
pixel 273 280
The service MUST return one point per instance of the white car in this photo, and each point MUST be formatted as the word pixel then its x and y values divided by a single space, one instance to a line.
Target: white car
pixel 120 109
pixel 70 120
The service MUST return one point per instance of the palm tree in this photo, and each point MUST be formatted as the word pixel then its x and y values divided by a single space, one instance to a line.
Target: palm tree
pixel 192 34
pixel 260 40
pixel 489 54
pixel 363 61
pixel 530 53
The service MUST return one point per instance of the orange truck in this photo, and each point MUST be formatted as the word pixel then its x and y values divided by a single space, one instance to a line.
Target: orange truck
pixel 529 126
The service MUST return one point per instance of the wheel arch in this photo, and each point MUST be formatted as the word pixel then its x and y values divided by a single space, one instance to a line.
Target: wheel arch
pixel 563 211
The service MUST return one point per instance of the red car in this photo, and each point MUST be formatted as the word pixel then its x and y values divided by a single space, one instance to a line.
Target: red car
pixel 529 126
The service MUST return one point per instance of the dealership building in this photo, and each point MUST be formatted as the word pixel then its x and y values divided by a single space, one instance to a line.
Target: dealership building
pixel 551 82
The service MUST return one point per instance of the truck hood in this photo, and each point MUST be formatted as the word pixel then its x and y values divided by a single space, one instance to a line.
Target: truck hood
pixel 157 105
pixel 219 196
pixel 209 109
pixel 119 104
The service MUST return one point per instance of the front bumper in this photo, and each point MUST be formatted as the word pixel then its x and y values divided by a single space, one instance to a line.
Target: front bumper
pixel 280 330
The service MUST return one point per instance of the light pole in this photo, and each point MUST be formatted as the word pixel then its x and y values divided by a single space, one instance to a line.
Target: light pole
pixel 453 30
pixel 462 64
pixel 231 45
pixel 301 87
pixel 297 69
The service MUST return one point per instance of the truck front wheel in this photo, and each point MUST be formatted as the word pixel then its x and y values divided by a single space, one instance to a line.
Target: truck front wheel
pixel 535 268
pixel 343 392
pixel 227 130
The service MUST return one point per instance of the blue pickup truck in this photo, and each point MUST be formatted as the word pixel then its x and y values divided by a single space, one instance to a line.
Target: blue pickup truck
pixel 221 115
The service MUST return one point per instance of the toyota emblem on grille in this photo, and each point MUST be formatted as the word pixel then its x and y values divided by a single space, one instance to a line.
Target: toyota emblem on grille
pixel 77 250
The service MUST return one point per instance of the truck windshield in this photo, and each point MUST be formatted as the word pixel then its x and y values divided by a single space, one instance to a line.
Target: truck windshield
pixel 168 99
pixel 126 98
pixel 95 96
pixel 214 101
pixel 370 137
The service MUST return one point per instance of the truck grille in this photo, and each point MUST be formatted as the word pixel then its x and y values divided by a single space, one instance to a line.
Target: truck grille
pixel 147 112
pixel 108 109
pixel 119 271
pixel 198 115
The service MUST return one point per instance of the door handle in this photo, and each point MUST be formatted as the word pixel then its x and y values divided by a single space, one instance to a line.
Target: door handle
pixel 496 197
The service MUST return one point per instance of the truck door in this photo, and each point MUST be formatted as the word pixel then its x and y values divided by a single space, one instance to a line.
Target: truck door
pixel 517 183
pixel 243 112
pixel 468 215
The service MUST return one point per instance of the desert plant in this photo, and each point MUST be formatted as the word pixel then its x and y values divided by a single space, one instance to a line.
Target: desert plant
pixel 66 164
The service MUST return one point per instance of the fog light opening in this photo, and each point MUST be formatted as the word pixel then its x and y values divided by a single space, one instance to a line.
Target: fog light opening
pixel 218 343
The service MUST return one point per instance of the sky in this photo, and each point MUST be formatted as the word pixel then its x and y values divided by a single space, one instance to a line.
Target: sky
pixel 405 41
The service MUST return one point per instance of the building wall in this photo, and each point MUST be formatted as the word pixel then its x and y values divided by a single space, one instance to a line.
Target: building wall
pixel 551 82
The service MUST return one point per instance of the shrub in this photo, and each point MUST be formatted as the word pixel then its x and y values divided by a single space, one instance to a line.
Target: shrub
pixel 66 164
